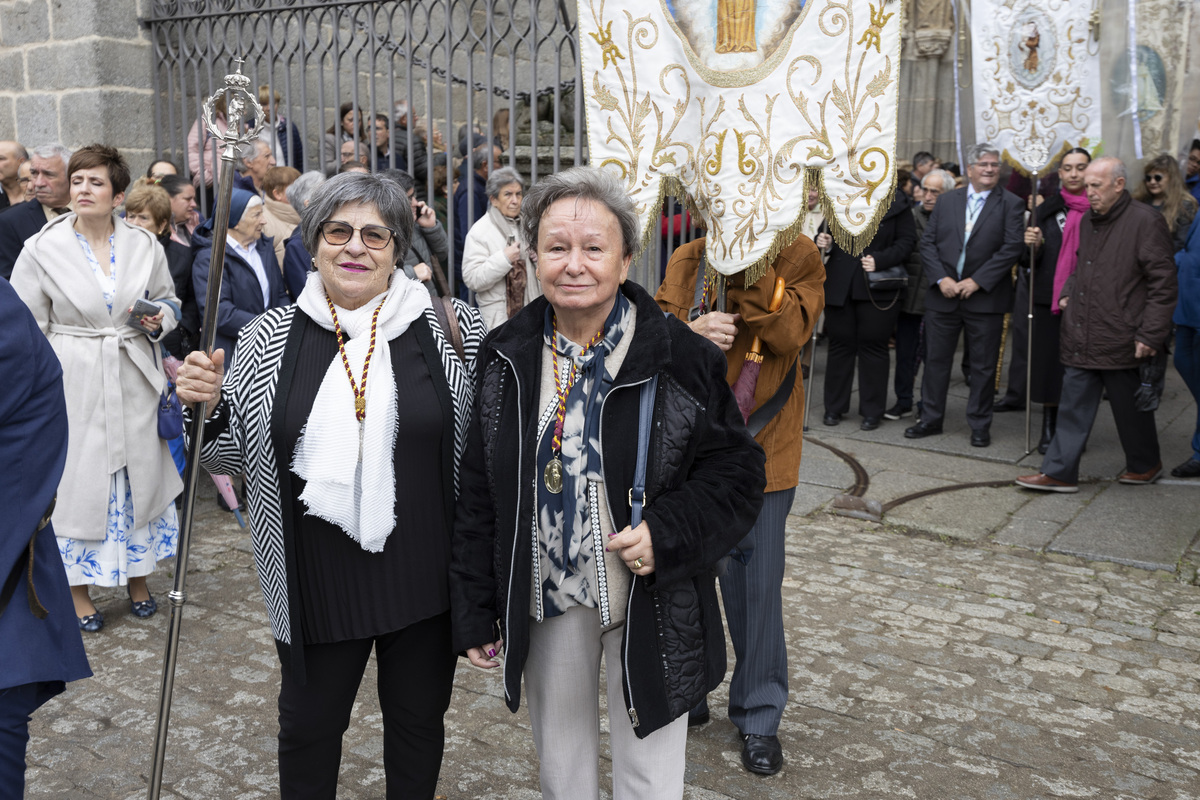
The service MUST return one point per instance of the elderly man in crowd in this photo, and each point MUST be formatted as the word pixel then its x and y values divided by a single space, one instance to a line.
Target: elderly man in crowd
pixel 51 193
pixel 908 327
pixel 253 161
pixel 1117 309
pixel 12 156
pixel 971 242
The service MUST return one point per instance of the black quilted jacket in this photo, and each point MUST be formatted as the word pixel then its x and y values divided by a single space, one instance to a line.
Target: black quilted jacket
pixel 704 490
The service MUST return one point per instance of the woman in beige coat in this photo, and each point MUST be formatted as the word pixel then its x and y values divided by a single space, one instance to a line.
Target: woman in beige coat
pixel 80 276
pixel 495 266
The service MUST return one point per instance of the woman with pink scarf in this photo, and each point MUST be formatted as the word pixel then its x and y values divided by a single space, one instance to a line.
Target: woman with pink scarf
pixel 1054 237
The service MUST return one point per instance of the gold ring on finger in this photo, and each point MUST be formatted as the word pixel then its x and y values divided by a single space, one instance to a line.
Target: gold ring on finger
pixel 638 563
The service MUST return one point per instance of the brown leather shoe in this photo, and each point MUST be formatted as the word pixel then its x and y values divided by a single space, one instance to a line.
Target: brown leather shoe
pixel 1043 482
pixel 1139 478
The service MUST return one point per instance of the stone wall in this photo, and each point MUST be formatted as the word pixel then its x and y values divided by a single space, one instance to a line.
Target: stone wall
pixel 76 72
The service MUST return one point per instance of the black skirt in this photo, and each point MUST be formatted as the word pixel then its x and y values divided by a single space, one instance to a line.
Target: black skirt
pixel 1046 369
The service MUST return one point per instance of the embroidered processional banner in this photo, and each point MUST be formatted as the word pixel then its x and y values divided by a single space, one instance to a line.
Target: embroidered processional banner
pixel 1036 73
pixel 736 105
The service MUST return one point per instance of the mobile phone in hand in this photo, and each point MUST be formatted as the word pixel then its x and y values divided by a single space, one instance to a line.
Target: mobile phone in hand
pixel 140 311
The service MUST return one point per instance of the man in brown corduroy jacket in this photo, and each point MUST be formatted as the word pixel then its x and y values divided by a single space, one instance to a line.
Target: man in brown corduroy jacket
pixel 751 588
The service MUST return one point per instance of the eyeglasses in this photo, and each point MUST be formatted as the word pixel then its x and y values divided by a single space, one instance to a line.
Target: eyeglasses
pixel 374 237
pixel 1156 178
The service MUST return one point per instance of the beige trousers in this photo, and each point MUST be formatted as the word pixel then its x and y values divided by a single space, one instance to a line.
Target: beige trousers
pixel 562 681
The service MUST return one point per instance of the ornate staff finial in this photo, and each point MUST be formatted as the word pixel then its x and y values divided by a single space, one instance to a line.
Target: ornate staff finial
pixel 241 101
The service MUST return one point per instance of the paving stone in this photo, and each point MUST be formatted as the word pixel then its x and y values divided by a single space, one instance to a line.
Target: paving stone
pixel 1102 530
pixel 890 695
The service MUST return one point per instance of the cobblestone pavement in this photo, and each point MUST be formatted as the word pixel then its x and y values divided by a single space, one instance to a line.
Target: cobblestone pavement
pixel 920 669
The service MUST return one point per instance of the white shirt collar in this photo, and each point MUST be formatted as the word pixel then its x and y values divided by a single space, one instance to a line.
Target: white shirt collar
pixel 971 193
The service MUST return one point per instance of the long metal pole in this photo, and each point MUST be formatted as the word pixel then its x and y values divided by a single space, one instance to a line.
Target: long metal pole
pixel 1029 325
pixel 240 100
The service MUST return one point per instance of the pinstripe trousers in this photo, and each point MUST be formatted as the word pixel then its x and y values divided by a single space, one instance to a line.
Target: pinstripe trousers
pixel 753 597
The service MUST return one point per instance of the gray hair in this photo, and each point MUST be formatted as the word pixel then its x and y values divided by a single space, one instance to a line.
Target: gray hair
pixel 249 151
pixel 584 183
pixel 1116 167
pixel 939 174
pixel 978 151
pixel 55 150
pixel 483 155
pixel 301 190
pixel 384 194
pixel 498 179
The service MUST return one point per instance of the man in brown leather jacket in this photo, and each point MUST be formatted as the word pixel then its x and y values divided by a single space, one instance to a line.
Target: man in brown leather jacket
pixel 1117 310
pixel 752 586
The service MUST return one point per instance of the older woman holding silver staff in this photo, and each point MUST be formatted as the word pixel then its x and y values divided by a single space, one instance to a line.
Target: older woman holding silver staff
pixel 549 562
pixel 348 414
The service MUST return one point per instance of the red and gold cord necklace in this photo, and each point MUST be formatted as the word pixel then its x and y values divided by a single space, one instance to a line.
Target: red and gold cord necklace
pixel 360 389
pixel 554 469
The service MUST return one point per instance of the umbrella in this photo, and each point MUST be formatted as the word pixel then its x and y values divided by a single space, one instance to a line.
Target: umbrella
pixel 747 382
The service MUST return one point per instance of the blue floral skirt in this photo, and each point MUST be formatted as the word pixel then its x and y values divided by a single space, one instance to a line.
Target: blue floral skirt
pixel 126 552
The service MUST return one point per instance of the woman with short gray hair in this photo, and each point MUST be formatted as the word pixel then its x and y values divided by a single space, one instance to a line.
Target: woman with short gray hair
pixel 495 266
pixel 550 562
pixel 347 412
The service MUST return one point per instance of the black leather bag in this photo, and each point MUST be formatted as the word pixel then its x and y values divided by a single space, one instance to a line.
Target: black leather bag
pixel 892 279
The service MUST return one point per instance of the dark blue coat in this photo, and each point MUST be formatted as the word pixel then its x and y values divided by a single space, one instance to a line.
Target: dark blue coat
pixel 33 449
pixel 297 263
pixel 17 224
pixel 469 181
pixel 241 294
pixel 1187 261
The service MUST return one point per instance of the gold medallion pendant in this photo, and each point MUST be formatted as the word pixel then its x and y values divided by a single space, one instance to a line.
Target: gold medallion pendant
pixel 554 476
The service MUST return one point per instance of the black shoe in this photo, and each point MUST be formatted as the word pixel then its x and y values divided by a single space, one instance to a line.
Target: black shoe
pixel 832 419
pixel 699 715
pixel 143 608
pixel 869 424
pixel 762 754
pixel 980 438
pixel 1007 405
pixel 92 623
pixel 897 412
pixel 1049 426
pixel 1188 469
pixel 921 430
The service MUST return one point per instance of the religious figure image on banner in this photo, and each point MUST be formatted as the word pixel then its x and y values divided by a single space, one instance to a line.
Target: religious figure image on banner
pixel 734 34
pixel 1036 79
pixel 738 106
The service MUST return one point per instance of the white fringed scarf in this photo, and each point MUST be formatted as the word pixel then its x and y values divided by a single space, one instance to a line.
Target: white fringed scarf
pixel 327 453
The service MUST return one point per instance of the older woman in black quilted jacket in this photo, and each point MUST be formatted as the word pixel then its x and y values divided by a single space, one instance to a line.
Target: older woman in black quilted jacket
pixel 545 564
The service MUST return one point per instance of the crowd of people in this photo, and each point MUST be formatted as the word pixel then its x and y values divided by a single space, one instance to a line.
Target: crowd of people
pixel 438 422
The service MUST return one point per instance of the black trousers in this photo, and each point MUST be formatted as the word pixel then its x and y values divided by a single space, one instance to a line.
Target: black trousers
pixel 910 351
pixel 858 331
pixel 416 673
pixel 1081 391
pixel 982 333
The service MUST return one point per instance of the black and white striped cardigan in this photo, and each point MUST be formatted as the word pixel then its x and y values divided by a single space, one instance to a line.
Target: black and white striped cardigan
pixel 244 434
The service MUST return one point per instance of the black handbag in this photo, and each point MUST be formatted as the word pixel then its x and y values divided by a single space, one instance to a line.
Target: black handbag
pixel 891 279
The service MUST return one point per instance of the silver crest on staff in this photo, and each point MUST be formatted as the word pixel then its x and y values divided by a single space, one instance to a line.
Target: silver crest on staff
pixel 240 101
pixel 1034 154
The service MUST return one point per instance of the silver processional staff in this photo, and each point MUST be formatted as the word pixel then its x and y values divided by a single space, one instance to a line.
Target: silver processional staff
pixel 237 87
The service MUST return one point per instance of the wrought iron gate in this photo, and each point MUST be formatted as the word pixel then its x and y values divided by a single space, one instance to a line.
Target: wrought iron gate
pixel 507 68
